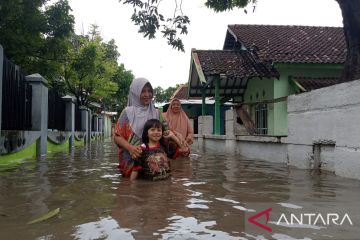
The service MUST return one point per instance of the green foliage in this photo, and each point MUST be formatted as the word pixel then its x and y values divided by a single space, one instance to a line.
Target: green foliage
pixel 89 71
pixel 147 17
pixel 40 38
pixel 225 5
pixel 34 35
pixel 123 78
pixel 149 20
pixel 163 95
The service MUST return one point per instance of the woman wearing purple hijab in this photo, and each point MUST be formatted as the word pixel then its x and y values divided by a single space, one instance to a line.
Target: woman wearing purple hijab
pixel 129 127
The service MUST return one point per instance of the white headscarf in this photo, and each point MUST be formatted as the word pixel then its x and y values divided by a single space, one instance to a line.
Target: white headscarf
pixel 136 112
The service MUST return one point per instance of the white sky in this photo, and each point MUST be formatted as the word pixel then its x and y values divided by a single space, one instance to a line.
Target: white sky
pixel 164 66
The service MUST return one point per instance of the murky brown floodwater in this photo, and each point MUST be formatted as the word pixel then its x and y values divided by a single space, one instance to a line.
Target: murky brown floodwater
pixel 210 196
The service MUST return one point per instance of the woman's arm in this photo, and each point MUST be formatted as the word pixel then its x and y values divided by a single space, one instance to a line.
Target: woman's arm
pixel 184 148
pixel 135 151
pixel 190 134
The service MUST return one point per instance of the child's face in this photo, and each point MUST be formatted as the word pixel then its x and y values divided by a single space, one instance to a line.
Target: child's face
pixel 155 134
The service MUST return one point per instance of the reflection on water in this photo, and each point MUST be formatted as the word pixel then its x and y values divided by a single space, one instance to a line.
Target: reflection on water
pixel 210 196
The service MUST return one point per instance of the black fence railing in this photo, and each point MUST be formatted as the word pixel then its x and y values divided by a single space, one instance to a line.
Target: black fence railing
pixel 77 118
pixel 16 98
pixel 56 107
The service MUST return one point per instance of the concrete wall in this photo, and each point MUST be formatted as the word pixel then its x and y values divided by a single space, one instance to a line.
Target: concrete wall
pixel 323 133
pixel 327 119
pixel 205 124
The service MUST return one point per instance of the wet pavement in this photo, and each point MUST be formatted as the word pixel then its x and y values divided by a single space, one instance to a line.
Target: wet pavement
pixel 210 196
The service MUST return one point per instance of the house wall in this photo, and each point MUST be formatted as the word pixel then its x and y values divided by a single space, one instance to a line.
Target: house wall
pixel 323 133
pixel 282 87
pixel 277 88
pixel 255 93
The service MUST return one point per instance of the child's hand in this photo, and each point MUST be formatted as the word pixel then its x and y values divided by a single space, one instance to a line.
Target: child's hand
pixel 168 134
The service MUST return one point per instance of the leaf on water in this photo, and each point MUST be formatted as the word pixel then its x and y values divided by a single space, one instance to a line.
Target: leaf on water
pixel 46 216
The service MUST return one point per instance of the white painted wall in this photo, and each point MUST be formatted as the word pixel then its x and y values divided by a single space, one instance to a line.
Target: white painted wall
pixel 205 124
pixel 329 116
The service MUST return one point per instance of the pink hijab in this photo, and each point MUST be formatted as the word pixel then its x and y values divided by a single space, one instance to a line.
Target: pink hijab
pixel 178 122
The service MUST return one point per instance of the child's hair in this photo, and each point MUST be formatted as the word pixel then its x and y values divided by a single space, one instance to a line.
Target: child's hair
pixel 152 123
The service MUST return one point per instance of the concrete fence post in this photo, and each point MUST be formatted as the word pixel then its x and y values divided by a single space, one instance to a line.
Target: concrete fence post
pixel 1 79
pixel 96 123
pixel 230 123
pixel 101 125
pixel 39 110
pixel 205 125
pixel 88 132
pixel 70 118
pixel 84 121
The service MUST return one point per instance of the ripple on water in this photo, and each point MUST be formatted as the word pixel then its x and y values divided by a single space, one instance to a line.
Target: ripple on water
pixel 191 228
pixel 105 228
pixel 193 183
pixel 227 200
pixel 117 175
pixel 290 205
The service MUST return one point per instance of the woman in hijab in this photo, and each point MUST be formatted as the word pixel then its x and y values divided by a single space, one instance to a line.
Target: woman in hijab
pixel 129 127
pixel 178 121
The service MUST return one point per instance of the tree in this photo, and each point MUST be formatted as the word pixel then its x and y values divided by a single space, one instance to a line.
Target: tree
pixel 163 95
pixel 123 78
pixel 149 20
pixel 88 72
pixel 350 10
pixel 36 36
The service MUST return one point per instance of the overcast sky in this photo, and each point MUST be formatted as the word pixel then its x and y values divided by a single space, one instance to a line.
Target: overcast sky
pixel 163 66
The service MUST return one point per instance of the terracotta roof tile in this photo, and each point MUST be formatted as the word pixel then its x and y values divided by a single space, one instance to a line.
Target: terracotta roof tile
pixel 310 83
pixel 291 44
pixel 235 64
pixel 181 92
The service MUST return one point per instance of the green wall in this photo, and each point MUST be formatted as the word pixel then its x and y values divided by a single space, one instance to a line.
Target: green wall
pixel 277 88
pixel 259 90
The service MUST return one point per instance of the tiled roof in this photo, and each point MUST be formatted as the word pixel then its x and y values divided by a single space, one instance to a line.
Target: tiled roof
pixel 181 92
pixel 235 64
pixel 291 44
pixel 309 83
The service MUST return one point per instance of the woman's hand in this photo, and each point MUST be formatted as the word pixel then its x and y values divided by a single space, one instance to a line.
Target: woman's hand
pixel 135 151
pixel 185 151
pixel 189 140
pixel 182 141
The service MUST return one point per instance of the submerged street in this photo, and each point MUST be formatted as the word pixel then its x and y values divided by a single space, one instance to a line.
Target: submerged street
pixel 210 196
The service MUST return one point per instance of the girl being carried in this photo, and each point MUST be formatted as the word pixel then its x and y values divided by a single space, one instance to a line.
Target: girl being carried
pixel 153 163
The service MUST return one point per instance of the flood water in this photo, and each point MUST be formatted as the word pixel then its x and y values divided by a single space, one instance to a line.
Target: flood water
pixel 210 196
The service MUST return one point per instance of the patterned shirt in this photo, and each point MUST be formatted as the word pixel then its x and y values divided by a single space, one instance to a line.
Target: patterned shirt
pixel 154 164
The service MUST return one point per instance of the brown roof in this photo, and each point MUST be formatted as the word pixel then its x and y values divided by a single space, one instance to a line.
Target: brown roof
pixel 309 83
pixel 235 64
pixel 181 92
pixel 290 44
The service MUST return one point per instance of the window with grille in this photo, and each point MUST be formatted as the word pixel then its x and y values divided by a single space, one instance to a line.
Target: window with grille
pixel 261 119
